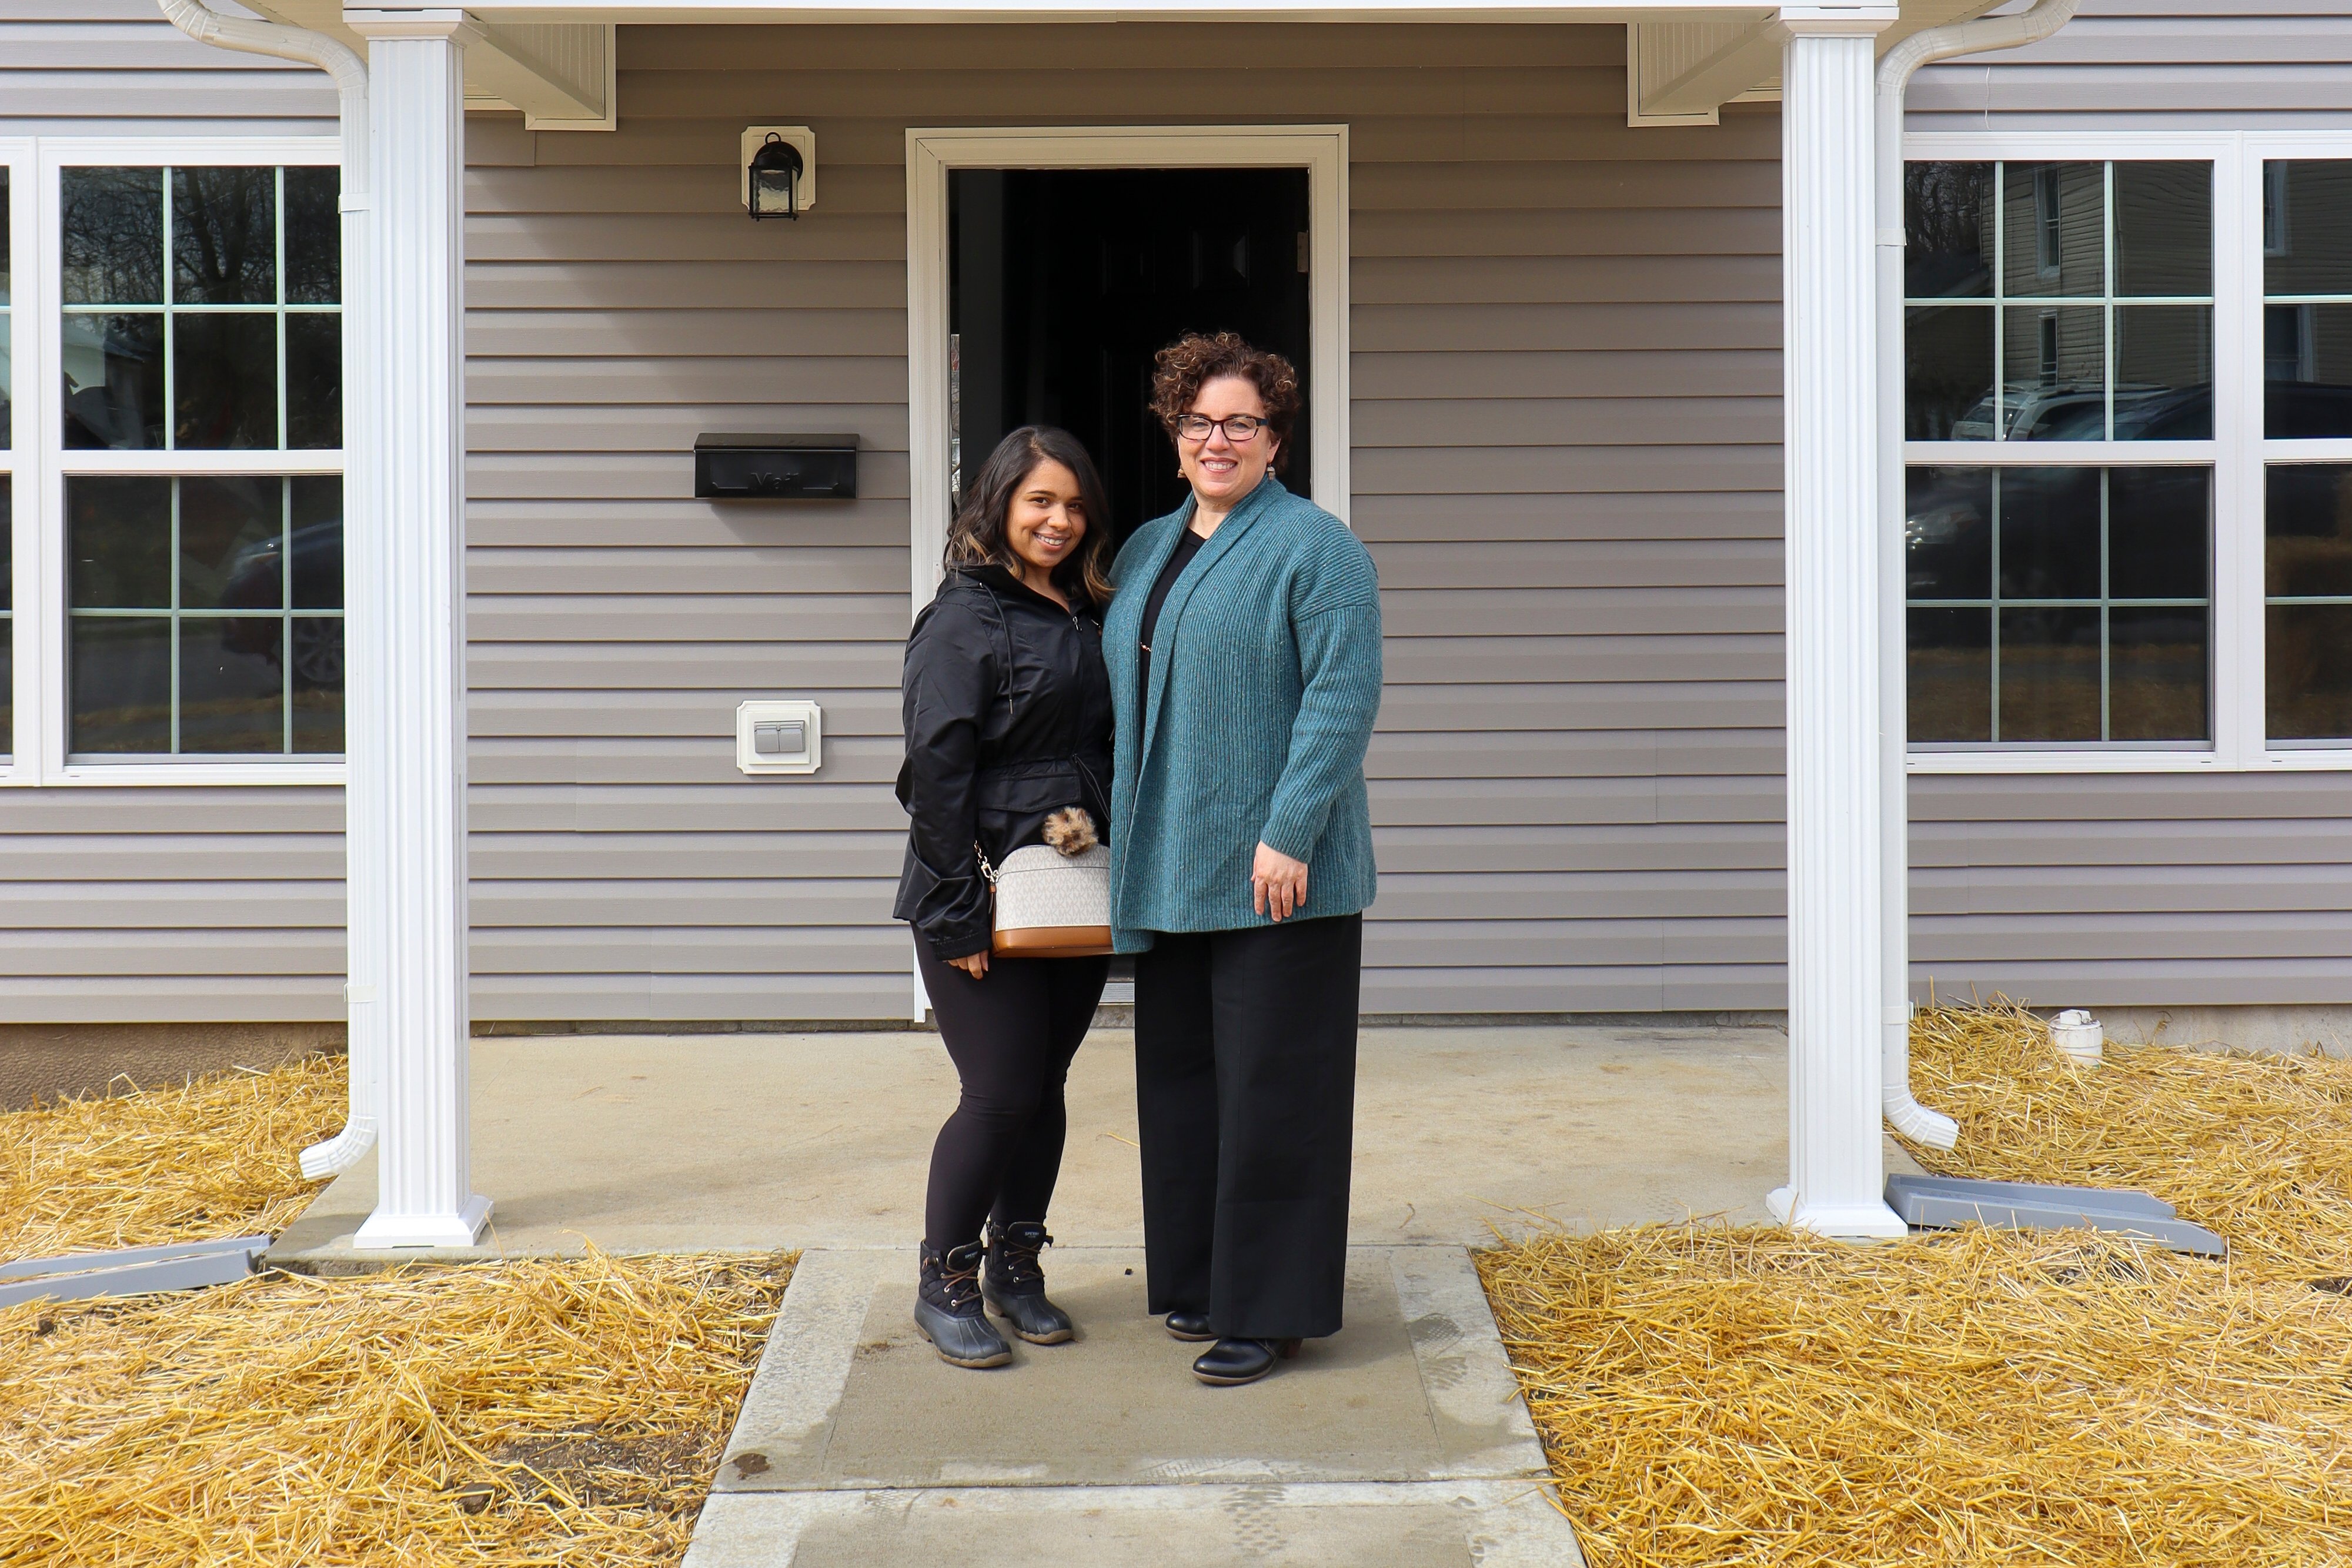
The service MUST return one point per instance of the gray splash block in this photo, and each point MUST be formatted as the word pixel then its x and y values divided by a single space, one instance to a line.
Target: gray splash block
pixel 134 1272
pixel 1412 1524
pixel 1934 1202
pixel 124 1257
pixel 849 1397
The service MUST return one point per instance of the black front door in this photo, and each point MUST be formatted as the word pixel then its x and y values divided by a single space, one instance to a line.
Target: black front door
pixel 1062 283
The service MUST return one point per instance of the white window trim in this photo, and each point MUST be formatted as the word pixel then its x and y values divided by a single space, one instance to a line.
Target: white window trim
pixel 42 700
pixel 1320 150
pixel 2237 453
pixel 28 306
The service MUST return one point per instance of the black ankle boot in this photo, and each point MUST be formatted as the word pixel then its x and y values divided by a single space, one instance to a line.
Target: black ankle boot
pixel 1236 1361
pixel 1015 1284
pixel 947 1311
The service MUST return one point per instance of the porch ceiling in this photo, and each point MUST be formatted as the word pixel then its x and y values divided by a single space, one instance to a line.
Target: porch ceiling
pixel 673 12
pixel 1685 58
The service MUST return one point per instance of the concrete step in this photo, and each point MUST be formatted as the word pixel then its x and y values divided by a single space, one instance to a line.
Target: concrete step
pixel 1402 1439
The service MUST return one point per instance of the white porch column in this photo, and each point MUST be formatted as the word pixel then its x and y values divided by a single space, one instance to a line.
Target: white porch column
pixel 1836 1163
pixel 407 582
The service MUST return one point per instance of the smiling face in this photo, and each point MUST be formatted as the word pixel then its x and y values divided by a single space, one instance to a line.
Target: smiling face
pixel 1047 519
pixel 1221 470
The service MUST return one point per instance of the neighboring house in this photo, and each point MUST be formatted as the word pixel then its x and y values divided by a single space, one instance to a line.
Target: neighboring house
pixel 1554 302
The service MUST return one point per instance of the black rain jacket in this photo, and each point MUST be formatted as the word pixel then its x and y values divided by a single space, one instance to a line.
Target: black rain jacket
pixel 1008 717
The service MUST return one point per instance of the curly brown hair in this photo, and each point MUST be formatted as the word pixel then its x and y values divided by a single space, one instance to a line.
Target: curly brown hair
pixel 1191 361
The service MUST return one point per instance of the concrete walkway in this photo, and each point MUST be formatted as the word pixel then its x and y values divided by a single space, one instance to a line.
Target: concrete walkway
pixel 1402 1440
pixel 688 1142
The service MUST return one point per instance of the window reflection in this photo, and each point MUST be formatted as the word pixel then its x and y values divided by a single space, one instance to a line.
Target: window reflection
pixel 2059 605
pixel 314 236
pixel 224 236
pixel 2164 229
pixel 2307 298
pixel 200 308
pixel 2054 228
pixel 204 615
pixel 2307 589
pixel 2015 330
pixel 224 380
pixel 111 236
pixel 1948 231
pixel 113 380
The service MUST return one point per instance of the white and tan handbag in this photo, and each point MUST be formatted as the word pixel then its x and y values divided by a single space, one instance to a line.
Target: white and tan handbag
pixel 1050 904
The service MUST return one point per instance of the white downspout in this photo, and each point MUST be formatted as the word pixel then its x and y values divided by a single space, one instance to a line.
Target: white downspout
pixel 209 27
pixel 1906 1115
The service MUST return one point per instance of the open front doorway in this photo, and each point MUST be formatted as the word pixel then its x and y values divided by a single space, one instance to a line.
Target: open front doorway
pixel 1145 207
pixel 1064 283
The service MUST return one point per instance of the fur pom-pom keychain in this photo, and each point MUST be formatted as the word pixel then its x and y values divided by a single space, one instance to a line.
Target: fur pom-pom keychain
pixel 1071 831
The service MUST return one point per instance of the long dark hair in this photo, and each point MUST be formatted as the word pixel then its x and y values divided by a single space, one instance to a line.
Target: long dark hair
pixel 976 537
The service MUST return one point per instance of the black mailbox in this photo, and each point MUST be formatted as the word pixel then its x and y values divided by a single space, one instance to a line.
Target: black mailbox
pixel 775 467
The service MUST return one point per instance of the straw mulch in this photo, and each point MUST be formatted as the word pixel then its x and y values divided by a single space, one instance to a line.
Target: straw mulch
pixel 2258 1148
pixel 1717 1395
pixel 566 1411
pixel 215 1158
pixel 543 1412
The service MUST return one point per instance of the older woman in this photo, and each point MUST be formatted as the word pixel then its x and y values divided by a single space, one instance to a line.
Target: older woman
pixel 1244 655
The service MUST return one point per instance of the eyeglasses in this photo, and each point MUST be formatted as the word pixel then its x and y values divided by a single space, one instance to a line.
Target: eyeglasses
pixel 1240 429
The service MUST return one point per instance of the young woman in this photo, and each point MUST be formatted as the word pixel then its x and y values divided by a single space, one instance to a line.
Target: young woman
pixel 1244 653
pixel 1008 718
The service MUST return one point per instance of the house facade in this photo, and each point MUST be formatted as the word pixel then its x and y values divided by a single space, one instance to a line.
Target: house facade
pixel 1539 284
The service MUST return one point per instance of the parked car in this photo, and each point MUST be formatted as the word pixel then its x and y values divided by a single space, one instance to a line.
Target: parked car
pixel 258 581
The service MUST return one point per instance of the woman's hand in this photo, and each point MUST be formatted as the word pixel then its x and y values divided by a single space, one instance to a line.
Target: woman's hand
pixel 1277 884
pixel 973 964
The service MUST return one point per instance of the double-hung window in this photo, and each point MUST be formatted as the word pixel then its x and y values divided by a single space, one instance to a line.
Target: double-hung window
pixel 2127 422
pixel 185 418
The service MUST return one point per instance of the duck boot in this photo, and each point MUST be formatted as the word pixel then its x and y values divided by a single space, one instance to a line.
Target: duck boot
pixel 1015 1284
pixel 947 1311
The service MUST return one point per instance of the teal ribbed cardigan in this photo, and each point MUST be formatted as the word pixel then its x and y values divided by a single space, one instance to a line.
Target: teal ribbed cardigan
pixel 1265 679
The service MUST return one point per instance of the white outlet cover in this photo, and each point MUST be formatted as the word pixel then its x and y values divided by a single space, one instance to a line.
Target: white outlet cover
pixel 789 710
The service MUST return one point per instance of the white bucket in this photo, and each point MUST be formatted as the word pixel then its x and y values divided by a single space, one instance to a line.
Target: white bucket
pixel 2078 1034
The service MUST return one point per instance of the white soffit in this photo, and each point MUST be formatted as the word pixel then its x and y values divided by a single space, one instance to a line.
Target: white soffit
pixel 560 74
pixel 1682 73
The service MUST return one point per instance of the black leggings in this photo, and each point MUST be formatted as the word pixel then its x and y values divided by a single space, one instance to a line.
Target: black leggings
pixel 1012 1035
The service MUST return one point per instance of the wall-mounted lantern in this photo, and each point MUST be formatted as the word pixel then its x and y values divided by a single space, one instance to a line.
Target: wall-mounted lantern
pixel 779 170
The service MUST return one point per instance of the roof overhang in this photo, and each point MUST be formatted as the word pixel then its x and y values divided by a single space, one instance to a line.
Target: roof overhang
pixel 1681 71
pixel 558 70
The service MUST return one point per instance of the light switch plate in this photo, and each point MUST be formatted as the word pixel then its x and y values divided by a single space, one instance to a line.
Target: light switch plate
pixel 771 713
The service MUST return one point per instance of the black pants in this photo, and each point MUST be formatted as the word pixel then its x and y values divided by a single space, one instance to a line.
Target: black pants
pixel 1245 1090
pixel 1012 1035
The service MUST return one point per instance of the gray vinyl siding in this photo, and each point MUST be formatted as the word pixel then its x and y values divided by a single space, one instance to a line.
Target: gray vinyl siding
pixel 169 904
pixel 2142 889
pixel 1567 379
pixel 2156 65
pixel 98 68
pixel 1567 464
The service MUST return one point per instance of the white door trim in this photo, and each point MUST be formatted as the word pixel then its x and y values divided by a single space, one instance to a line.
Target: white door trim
pixel 1320 150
